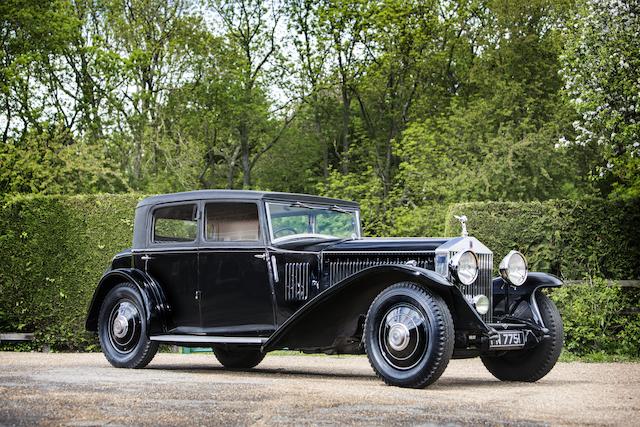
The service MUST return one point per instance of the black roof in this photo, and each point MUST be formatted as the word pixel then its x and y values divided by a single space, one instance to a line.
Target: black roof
pixel 242 195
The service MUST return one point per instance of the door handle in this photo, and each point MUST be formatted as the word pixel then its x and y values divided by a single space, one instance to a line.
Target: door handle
pixel 261 256
pixel 146 257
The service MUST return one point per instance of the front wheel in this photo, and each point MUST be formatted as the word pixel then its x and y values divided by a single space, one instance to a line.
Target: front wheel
pixel 532 364
pixel 239 358
pixel 408 336
pixel 122 328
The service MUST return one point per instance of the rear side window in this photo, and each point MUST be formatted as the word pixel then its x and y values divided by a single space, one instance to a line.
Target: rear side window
pixel 175 224
pixel 232 222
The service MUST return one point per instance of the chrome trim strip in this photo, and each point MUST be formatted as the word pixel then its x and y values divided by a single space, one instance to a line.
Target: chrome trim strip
pixel 278 250
pixel 274 267
pixel 173 249
pixel 377 252
pixel 201 250
pixel 208 339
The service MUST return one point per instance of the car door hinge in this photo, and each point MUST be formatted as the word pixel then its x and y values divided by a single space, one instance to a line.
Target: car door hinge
pixel 198 295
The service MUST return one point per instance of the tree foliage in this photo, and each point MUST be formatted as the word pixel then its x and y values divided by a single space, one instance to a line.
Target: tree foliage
pixel 602 74
pixel 402 105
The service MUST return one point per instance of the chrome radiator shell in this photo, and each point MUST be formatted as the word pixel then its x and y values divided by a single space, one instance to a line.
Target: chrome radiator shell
pixel 483 285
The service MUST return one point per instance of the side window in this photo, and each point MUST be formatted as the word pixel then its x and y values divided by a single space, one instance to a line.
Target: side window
pixel 175 224
pixel 232 222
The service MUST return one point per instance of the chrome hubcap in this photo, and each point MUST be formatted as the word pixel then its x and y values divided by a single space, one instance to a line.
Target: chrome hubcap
pixel 403 336
pixel 125 326
pixel 120 326
pixel 398 336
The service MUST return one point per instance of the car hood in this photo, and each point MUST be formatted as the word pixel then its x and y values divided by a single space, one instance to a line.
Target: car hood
pixel 374 244
pixel 369 244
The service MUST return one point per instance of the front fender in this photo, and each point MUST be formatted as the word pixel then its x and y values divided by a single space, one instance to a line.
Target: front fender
pixel 332 319
pixel 520 302
pixel 155 303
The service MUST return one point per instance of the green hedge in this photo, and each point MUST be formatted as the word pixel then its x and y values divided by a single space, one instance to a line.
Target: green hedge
pixel 428 220
pixel 53 250
pixel 572 239
pixel 598 318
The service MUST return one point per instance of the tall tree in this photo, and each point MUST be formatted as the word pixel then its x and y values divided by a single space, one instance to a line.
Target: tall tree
pixel 151 38
pixel 251 28
pixel 30 32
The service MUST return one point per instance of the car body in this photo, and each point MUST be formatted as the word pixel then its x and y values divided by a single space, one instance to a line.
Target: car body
pixel 248 272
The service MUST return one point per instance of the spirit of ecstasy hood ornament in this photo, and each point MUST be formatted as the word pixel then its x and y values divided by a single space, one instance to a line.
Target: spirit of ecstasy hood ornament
pixel 463 223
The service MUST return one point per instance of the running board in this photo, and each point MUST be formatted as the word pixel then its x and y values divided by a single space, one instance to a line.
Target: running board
pixel 207 339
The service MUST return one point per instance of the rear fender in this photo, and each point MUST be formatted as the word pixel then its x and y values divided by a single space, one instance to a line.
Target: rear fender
pixel 155 303
pixel 330 322
pixel 520 302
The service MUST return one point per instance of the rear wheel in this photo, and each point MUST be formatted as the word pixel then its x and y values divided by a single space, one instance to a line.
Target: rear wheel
pixel 122 328
pixel 532 364
pixel 238 358
pixel 409 336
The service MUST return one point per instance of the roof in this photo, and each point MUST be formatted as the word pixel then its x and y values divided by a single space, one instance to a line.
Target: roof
pixel 242 195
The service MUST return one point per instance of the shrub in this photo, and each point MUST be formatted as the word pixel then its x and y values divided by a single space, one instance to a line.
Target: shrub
pixel 53 252
pixel 597 319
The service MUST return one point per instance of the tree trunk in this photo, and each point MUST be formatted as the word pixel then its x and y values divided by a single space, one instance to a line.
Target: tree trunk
pixel 245 153
pixel 346 118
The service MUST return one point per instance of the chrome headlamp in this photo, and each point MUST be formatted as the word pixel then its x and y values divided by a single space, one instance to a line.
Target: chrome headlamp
pixel 513 268
pixel 464 267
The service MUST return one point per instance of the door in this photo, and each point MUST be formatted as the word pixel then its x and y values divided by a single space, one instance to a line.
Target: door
pixel 237 297
pixel 171 259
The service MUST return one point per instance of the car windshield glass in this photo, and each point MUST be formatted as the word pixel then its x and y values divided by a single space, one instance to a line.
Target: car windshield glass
pixel 298 220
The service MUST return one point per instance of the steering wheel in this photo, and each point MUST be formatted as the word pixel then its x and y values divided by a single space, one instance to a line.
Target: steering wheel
pixel 280 230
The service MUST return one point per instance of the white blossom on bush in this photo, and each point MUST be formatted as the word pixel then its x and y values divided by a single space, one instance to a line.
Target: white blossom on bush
pixel 601 70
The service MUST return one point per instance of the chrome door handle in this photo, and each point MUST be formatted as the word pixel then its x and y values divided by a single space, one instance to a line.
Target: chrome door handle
pixel 146 257
pixel 261 256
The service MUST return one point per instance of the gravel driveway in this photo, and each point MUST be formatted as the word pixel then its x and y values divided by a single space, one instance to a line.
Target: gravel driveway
pixel 83 389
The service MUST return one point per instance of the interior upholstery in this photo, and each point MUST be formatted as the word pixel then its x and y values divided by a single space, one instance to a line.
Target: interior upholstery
pixel 229 222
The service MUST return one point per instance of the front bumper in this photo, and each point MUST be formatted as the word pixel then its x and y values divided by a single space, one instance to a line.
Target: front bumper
pixel 472 344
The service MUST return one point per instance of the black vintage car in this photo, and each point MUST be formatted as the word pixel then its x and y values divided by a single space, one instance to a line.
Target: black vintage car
pixel 249 272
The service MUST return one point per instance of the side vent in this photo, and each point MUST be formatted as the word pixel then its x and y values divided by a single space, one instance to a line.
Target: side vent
pixel 296 281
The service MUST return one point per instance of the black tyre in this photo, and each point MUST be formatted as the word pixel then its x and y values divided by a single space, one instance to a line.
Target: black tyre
pixel 122 329
pixel 408 336
pixel 238 358
pixel 532 364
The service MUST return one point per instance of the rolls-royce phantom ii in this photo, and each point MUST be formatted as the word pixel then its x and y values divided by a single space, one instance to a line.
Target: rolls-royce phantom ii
pixel 247 272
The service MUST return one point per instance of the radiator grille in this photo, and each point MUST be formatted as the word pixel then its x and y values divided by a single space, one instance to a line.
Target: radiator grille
pixel 483 284
pixel 347 265
pixel 296 281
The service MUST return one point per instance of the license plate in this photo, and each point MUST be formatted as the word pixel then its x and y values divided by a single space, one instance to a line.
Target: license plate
pixel 507 339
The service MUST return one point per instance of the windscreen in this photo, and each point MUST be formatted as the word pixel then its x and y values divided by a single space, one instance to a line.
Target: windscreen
pixel 298 220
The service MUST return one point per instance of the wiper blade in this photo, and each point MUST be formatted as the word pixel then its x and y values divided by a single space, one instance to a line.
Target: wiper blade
pixel 300 205
pixel 336 208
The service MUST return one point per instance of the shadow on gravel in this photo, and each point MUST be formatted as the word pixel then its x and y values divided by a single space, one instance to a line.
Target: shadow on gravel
pixel 463 382
pixel 261 371
pixel 442 383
